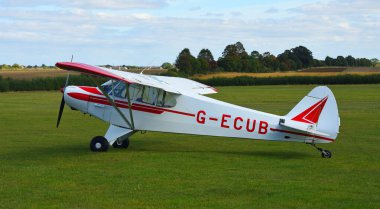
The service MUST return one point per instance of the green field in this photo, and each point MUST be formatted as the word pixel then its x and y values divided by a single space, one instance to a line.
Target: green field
pixel 45 167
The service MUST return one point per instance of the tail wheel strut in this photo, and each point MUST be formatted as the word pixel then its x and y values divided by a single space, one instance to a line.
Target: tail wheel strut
pixel 324 152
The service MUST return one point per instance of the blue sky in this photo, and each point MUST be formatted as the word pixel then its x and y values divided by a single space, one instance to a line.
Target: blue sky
pixel 150 32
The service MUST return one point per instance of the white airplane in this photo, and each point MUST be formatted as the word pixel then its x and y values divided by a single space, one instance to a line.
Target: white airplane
pixel 132 102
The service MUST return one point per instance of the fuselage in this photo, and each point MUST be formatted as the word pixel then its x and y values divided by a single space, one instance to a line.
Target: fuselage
pixel 187 113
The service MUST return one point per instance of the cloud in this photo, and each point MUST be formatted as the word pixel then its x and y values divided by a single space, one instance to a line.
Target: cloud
pixel 89 4
pixel 114 36
pixel 272 10
pixel 196 8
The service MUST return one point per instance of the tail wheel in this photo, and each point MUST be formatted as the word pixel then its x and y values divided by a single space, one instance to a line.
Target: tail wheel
pixel 121 144
pixel 99 144
pixel 326 154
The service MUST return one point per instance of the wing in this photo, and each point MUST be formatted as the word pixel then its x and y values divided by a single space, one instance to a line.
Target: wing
pixel 188 85
pixel 169 84
pixel 117 75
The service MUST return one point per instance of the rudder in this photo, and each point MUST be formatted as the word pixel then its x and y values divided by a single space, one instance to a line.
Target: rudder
pixel 318 109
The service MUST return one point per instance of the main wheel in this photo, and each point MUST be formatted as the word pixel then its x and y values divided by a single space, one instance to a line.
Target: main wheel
pixel 326 154
pixel 123 144
pixel 99 144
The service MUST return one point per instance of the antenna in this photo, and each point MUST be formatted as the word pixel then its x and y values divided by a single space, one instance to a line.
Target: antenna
pixel 148 68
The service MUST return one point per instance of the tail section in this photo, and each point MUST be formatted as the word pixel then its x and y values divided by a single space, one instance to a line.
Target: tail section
pixel 317 114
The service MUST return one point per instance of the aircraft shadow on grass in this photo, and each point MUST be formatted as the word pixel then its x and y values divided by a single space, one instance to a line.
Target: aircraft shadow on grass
pixel 150 146
pixel 78 150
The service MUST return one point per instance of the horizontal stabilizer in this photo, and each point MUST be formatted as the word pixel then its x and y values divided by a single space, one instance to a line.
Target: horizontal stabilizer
pixel 307 128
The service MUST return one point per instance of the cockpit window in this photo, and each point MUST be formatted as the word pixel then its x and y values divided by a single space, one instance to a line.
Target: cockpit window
pixel 140 93
pixel 107 86
pixel 119 89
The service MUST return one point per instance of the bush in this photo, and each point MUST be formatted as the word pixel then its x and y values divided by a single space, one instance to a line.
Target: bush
pixel 320 80
pixel 49 84
pixel 45 84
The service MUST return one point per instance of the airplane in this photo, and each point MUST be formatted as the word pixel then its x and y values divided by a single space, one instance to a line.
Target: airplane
pixel 132 102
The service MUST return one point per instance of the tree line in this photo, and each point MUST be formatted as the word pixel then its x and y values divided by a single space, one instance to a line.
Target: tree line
pixel 18 66
pixel 236 59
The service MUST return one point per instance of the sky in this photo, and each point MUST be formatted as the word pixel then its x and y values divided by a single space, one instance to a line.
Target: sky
pixel 150 32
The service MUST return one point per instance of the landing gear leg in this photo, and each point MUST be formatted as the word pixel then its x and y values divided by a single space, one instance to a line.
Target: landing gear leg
pixel 324 153
pixel 121 144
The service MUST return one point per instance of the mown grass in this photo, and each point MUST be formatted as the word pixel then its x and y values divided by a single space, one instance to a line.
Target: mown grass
pixel 45 167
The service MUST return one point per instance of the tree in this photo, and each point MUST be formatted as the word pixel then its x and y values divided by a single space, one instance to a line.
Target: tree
pixel 329 61
pixel 340 61
pixel 289 61
pixel 183 62
pixel 206 60
pixel 304 55
pixel 187 63
pixel 16 66
pixel 270 62
pixel 167 66
pixel 232 57
pixel 5 66
pixel 374 62
pixel 350 60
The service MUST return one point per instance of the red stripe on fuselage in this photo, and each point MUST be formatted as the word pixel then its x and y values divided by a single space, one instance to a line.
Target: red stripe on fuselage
pixel 90 89
pixel 80 96
pixel 302 134
pixel 122 104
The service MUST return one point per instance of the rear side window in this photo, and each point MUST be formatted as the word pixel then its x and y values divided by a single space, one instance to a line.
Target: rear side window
pixel 166 99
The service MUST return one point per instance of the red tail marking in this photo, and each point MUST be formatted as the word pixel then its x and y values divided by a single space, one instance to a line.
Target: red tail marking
pixel 311 114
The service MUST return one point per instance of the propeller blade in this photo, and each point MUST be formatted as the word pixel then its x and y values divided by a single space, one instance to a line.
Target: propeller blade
pixel 61 110
pixel 63 96
pixel 67 79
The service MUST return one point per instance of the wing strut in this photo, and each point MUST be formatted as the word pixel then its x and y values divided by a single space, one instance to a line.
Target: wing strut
pixel 130 105
pixel 114 105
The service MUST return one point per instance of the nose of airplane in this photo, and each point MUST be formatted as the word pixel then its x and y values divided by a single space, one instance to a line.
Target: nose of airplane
pixel 76 98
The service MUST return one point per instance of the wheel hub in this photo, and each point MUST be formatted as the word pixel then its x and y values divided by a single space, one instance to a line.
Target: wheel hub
pixel 98 145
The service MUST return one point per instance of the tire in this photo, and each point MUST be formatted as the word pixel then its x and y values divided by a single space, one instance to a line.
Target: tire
pixel 326 154
pixel 124 144
pixel 99 144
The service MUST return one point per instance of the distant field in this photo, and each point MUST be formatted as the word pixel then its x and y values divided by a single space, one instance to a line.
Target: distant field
pixel 52 73
pixel 341 69
pixel 324 71
pixel 45 167
pixel 35 73
pixel 280 74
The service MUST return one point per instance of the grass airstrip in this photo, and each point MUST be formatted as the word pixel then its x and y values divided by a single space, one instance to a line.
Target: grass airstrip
pixel 45 167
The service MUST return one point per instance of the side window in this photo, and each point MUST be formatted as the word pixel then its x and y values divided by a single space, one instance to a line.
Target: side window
pixel 166 99
pixel 170 100
pixel 149 95
pixel 160 98
pixel 134 90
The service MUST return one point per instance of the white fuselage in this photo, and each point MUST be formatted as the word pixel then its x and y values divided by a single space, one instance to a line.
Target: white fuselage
pixel 192 114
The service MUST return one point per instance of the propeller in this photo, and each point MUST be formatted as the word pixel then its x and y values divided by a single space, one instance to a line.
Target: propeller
pixel 62 106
